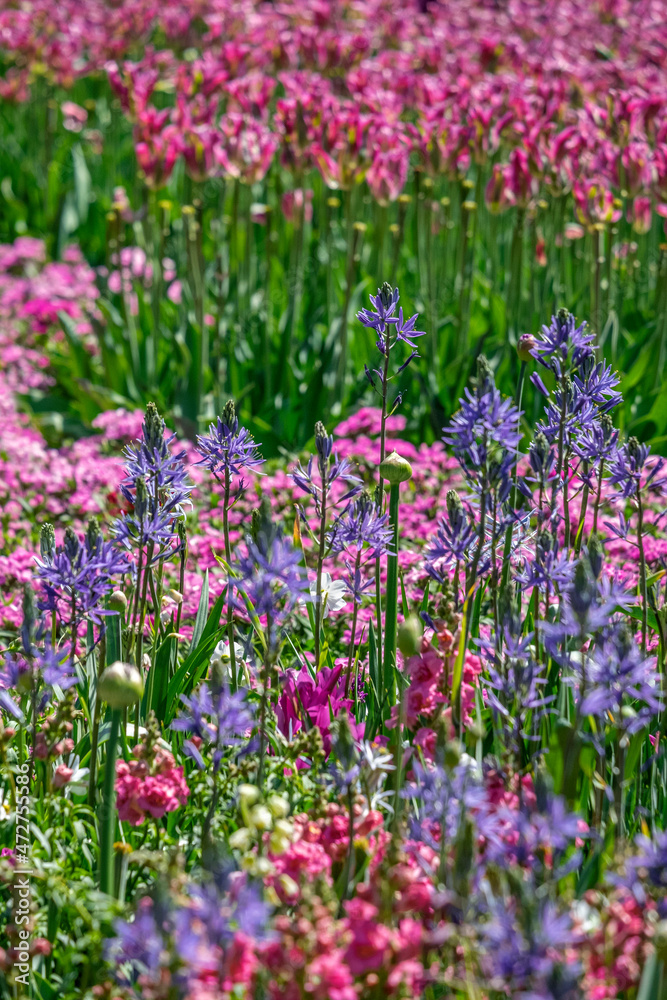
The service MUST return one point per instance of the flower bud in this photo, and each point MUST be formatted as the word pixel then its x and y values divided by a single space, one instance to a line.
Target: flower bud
pixel 278 805
pixel 386 294
pixel 141 497
pixel 323 442
pixel 248 794
pixel 453 750
pixel 261 817
pixel 29 615
pixel 288 885
pixel 595 552
pixel 62 776
pixel 634 447
pixel 281 836
pixel 607 425
pixel 153 427
pixel 118 601
pixel 229 417
pixel 395 469
pixel 93 534
pixel 410 634
pixel 241 839
pixel 47 542
pixel 71 544
pixel 526 345
pixel 121 685
pixel 660 940
pixel 455 511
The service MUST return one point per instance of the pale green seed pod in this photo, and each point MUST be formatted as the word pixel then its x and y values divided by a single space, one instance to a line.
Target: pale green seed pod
pixel 395 469
pixel 410 634
pixel 121 685
pixel 118 601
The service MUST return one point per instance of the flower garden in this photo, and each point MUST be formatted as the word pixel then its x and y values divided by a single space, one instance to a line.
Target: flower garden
pixel 333 541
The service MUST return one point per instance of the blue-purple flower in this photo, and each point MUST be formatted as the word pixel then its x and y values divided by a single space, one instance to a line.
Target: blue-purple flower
pixel 563 344
pixel 78 575
pixel 218 717
pixel 361 525
pixel 271 575
pixel 228 448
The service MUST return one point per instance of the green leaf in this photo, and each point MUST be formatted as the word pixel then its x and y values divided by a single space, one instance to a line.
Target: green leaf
pixel 82 183
pixel 632 755
pixel 424 604
pixel 202 612
pixel 45 991
pixel 162 660
pixel 652 986
pixel 194 666
pixel 114 638
pixel 457 673
pixel 404 599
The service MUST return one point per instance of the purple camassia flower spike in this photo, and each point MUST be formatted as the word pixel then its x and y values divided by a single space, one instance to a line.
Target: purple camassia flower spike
pixel 218 718
pixel 227 447
pixel 78 576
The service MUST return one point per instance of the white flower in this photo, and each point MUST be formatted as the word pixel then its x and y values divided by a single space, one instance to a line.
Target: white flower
pixel 375 758
pixel 222 659
pixel 334 594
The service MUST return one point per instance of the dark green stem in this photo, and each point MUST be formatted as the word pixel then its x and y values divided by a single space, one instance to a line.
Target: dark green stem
pixel 108 817
pixel 642 567
pixel 230 603
pixel 391 612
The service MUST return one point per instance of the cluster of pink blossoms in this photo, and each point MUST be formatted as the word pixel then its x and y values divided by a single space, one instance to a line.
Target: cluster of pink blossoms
pixel 430 674
pixel 149 788
pixel 617 946
pixel 552 101
pixel 316 954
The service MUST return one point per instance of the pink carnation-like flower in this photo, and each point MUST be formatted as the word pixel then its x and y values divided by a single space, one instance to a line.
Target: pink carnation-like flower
pixel 62 776
pixel 140 793
pixel 329 978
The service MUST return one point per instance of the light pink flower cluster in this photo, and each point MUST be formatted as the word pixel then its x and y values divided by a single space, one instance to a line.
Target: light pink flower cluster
pixel 430 675
pixel 315 954
pixel 615 953
pixel 142 790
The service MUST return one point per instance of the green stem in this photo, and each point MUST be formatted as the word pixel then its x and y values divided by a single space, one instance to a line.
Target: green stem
pixel 391 612
pixel 598 498
pixel 94 739
pixel 350 850
pixel 265 698
pixel 108 817
pixel 566 502
pixel 355 614
pixel 380 494
pixel 582 516
pixel 230 605
pixel 320 564
pixel 508 535
pixel 140 632
pixel 642 567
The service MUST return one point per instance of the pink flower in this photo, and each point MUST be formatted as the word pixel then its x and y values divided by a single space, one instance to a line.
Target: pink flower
pixel 175 292
pixel 292 204
pixel 74 116
pixel 62 776
pixel 329 978
pixel 140 793
pixel 371 940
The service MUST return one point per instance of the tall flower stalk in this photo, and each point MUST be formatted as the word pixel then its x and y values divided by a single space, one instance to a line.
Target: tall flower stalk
pixel 228 452
pixel 390 329
pixel 330 469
